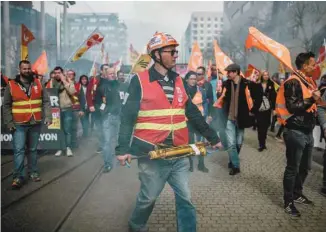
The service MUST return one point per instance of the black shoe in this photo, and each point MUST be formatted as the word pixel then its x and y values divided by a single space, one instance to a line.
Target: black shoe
pixel 230 165
pixel 261 149
pixel 273 130
pixel 303 200
pixel 202 168
pixel 191 169
pixel 292 210
pixel 99 150
pixel 17 183
pixel 323 191
pixel 139 230
pixel 234 171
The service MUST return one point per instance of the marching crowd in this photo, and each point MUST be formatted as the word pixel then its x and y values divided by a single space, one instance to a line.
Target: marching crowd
pixel 158 106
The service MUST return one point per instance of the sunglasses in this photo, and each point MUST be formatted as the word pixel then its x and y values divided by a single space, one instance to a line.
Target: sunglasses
pixel 172 52
pixel 200 74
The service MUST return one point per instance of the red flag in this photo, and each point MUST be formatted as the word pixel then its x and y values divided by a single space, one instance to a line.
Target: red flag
pixel 26 35
pixel 41 64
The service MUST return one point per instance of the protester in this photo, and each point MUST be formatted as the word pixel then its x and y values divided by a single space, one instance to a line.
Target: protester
pixel 239 109
pixel 24 119
pixel 83 83
pixel 278 136
pixel 66 91
pixel 263 116
pixel 110 91
pixel 296 108
pixel 94 101
pixel 158 101
pixel 198 97
pixel 322 121
pixel 76 110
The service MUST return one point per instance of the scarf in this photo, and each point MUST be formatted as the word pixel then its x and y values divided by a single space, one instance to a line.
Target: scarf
pixel 233 112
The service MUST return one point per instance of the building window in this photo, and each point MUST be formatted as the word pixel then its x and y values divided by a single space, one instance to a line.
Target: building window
pixel 201 19
pixel 201 25
pixel 236 14
pixel 216 25
pixel 216 32
pixel 195 19
pixel 194 38
pixel 201 38
pixel 92 20
pixel 208 25
pixel 104 20
pixel 103 28
pixel 90 28
pixel 208 19
pixel 75 28
pixel 201 32
pixel 216 19
pixel 208 38
pixel 78 20
pixel 194 32
pixel 201 45
pixel 194 25
pixel 246 7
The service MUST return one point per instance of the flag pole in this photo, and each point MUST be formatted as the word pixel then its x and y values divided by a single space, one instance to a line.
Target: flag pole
pixel 68 60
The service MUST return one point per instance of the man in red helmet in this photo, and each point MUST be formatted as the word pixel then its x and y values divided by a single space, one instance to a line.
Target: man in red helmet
pixel 154 112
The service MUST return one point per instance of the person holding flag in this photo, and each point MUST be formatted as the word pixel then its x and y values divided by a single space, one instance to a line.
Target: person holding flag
pixel 296 108
pixel 154 113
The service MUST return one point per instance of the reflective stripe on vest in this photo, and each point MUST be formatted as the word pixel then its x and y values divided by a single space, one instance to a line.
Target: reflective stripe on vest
pixel 157 117
pixel 280 107
pixel 24 107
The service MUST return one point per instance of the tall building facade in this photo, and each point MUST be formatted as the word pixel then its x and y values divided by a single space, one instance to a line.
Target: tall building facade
pixel 81 25
pixel 203 27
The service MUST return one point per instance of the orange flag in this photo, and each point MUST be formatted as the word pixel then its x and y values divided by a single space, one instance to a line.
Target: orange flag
pixel 259 40
pixel 196 58
pixel 26 37
pixel 209 71
pixel 41 64
pixel 252 73
pixel 222 60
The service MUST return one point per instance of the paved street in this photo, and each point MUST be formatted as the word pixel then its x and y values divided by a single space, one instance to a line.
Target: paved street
pixel 251 201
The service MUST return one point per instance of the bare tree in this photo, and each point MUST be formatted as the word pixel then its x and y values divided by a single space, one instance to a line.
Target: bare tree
pixel 305 18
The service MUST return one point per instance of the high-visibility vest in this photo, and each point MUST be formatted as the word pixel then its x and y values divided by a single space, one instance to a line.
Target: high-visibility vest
pixel 198 101
pixel 24 107
pixel 281 111
pixel 49 84
pixel 157 117
pixel 220 101
pixel 75 98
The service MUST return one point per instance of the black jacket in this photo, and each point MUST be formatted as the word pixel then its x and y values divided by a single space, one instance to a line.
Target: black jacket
pixel 82 99
pixel 295 104
pixel 129 116
pixel 269 92
pixel 110 90
pixel 244 120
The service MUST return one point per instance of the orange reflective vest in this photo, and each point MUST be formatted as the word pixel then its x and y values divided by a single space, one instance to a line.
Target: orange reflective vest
pixel 281 111
pixel 198 101
pixel 49 84
pixel 157 118
pixel 24 107
pixel 75 98
pixel 220 101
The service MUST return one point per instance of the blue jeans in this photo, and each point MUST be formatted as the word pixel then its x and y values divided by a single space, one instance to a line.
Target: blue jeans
pixel 153 174
pixel 99 127
pixel 66 119
pixel 74 128
pixel 111 125
pixel 85 123
pixel 234 137
pixel 25 135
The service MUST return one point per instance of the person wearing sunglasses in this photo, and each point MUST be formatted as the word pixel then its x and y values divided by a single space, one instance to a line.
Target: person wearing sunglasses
pixel 238 112
pixel 155 113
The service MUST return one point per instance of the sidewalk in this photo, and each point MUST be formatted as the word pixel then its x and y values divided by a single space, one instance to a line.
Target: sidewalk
pixel 251 201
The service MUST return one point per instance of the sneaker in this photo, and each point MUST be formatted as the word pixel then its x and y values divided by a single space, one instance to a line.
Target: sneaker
pixel 69 152
pixel 323 191
pixel 303 200
pixel 234 171
pixel 58 153
pixel 202 168
pixel 107 169
pixel 292 210
pixel 35 177
pixel 261 149
pixel 278 138
pixel 99 151
pixel 17 183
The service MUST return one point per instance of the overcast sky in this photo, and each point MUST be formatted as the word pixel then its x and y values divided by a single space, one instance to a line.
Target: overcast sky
pixel 144 18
